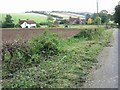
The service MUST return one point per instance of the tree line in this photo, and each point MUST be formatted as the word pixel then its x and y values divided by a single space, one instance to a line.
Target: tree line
pixel 103 17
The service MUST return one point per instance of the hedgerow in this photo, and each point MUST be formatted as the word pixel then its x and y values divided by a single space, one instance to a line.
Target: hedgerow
pixel 17 56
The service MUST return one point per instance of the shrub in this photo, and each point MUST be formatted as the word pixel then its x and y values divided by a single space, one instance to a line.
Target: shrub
pixel 47 44
pixel 43 23
pixel 90 34
pixel 17 56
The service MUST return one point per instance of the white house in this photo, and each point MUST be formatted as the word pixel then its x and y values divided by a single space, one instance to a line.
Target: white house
pixel 27 23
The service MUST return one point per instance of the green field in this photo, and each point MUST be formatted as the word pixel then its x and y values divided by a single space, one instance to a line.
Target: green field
pixel 82 26
pixel 67 15
pixel 23 16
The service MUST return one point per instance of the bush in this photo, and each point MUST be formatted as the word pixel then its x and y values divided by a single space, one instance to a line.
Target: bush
pixel 46 45
pixel 17 56
pixel 43 23
pixel 90 34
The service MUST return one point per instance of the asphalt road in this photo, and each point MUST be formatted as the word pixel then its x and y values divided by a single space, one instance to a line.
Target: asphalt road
pixel 106 76
pixel 119 58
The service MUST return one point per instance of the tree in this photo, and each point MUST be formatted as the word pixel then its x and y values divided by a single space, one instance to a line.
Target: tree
pixel 104 17
pixel 104 11
pixel 8 23
pixel 90 21
pixel 50 20
pixel 111 17
pixel 117 14
pixel 98 20
pixel 87 16
pixel 0 24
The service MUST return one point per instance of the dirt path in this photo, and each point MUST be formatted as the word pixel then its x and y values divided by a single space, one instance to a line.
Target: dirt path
pixel 107 75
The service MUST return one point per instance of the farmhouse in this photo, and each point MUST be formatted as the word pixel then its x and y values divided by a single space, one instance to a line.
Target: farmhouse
pixel 75 20
pixel 27 23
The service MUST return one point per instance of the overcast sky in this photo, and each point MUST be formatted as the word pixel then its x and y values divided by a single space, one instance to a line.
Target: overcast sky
pixel 61 5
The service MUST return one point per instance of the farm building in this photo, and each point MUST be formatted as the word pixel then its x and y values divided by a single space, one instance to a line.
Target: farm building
pixel 27 23
pixel 75 20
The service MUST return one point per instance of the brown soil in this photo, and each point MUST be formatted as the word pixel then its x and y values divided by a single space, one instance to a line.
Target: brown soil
pixel 11 34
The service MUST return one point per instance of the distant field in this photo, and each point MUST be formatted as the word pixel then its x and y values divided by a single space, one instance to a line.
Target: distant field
pixel 67 15
pixel 82 26
pixel 36 17
pixel 16 16
pixel 85 26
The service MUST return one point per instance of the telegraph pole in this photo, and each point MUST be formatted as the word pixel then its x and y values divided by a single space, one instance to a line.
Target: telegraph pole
pixel 97 13
pixel 97 6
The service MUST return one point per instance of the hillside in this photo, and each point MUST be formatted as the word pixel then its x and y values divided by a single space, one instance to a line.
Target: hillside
pixel 61 14
pixel 66 15
pixel 16 16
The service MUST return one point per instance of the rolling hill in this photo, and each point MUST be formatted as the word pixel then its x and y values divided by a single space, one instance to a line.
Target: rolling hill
pixel 32 16
pixel 66 15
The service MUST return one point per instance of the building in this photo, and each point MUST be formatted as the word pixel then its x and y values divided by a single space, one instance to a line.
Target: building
pixel 27 23
pixel 75 20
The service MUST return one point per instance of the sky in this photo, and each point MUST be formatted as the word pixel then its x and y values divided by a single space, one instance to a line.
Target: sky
pixel 16 6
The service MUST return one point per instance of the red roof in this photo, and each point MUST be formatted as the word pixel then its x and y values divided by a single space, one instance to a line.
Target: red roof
pixel 27 21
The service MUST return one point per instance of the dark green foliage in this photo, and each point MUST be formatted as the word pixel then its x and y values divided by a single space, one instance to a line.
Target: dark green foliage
pixel 104 17
pixel 87 16
pixel 43 23
pixel 0 24
pixel 111 17
pixel 17 56
pixel 8 23
pixel 38 25
pixel 89 34
pixel 48 67
pixel 117 14
pixel 17 25
pixel 63 21
pixel 46 45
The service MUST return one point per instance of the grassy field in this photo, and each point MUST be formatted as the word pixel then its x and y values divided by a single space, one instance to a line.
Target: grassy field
pixel 55 62
pixel 16 16
pixel 67 15
pixel 82 26
pixel 76 26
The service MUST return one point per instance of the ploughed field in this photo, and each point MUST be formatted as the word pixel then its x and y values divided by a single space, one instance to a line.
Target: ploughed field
pixel 12 34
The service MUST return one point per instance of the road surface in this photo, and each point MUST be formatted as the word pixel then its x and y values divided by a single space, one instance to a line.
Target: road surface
pixel 106 76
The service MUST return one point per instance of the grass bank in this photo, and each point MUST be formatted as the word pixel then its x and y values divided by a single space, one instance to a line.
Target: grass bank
pixel 58 63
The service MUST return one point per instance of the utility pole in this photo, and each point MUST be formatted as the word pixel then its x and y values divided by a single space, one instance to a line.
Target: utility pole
pixel 97 14
pixel 97 6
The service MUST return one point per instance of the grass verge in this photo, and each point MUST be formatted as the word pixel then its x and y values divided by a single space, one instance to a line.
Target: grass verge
pixel 67 69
